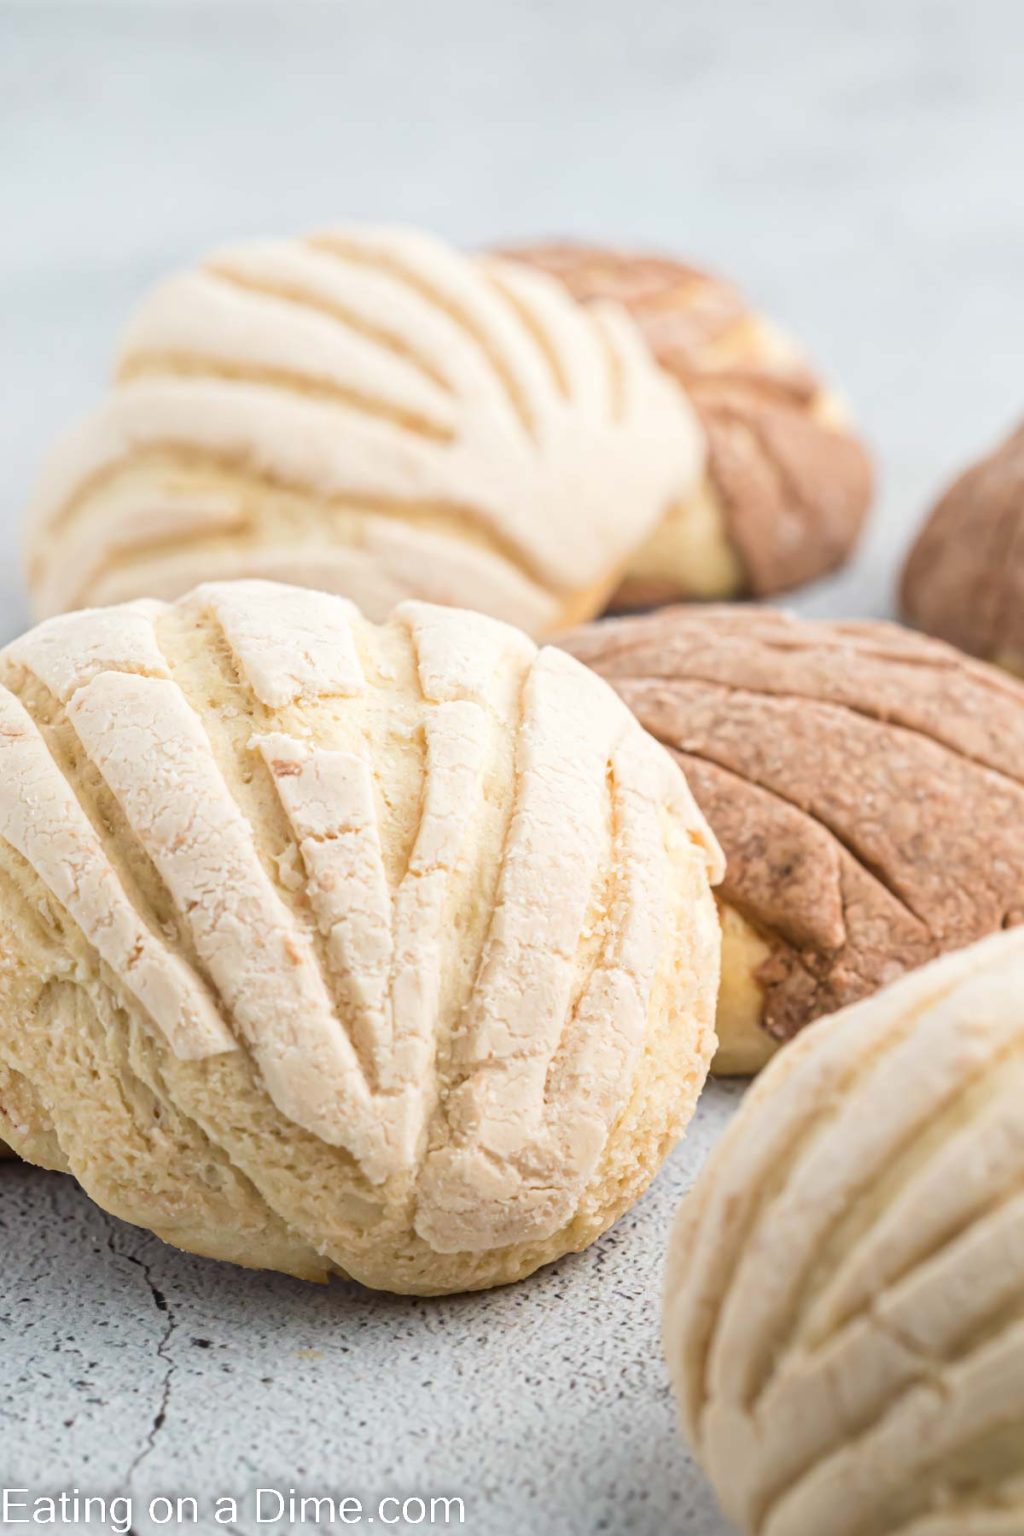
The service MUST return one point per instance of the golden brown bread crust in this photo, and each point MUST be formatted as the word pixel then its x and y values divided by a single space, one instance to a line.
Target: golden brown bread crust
pixel 964 577
pixel 866 784
pixel 793 480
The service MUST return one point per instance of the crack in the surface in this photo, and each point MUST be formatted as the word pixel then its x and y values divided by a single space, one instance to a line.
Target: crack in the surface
pixel 305 918
pixel 863 711
pixel 864 863
pixel 162 1306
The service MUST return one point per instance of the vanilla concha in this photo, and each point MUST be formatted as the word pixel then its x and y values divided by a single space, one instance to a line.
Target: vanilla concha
pixel 844 1299
pixel 373 413
pixel 328 947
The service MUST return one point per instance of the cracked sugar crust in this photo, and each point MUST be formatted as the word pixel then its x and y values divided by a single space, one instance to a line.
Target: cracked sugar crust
pixel 866 785
pixel 964 577
pixel 844 1296
pixel 327 946
pixel 370 412
pixel 788 482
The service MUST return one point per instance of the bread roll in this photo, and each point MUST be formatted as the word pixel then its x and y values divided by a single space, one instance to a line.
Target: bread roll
pixel 372 413
pixel 326 947
pixel 788 481
pixel 964 577
pixel 867 787
pixel 844 1296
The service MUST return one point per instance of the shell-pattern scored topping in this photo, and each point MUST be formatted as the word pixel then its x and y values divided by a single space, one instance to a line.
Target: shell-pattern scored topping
pixel 370 412
pixel 844 1307
pixel 422 891
pixel 867 785
pixel 787 481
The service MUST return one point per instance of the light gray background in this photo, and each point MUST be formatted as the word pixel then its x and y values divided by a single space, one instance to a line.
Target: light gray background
pixel 857 167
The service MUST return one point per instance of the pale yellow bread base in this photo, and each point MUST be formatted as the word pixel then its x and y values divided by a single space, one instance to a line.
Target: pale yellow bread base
pixel 1010 661
pixel 744 1047
pixel 688 556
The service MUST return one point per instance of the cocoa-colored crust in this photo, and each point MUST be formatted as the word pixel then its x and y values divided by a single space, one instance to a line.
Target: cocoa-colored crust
pixel 964 578
pixel 866 784
pixel 794 487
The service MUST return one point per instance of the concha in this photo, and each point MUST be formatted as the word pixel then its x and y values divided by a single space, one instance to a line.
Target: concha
pixel 844 1299
pixel 334 947
pixel 373 413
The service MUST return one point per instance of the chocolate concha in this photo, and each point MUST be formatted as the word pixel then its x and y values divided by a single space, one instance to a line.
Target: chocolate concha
pixel 866 785
pixel 788 481
pixel 964 577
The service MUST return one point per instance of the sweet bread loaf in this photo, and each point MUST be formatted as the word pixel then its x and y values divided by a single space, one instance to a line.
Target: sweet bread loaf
pixel 787 483
pixel 844 1295
pixel 372 413
pixel 964 577
pixel 866 785
pixel 388 951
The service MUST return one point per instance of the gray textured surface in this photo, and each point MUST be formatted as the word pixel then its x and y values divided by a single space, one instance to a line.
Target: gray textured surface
pixel 545 1407
pixel 856 166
